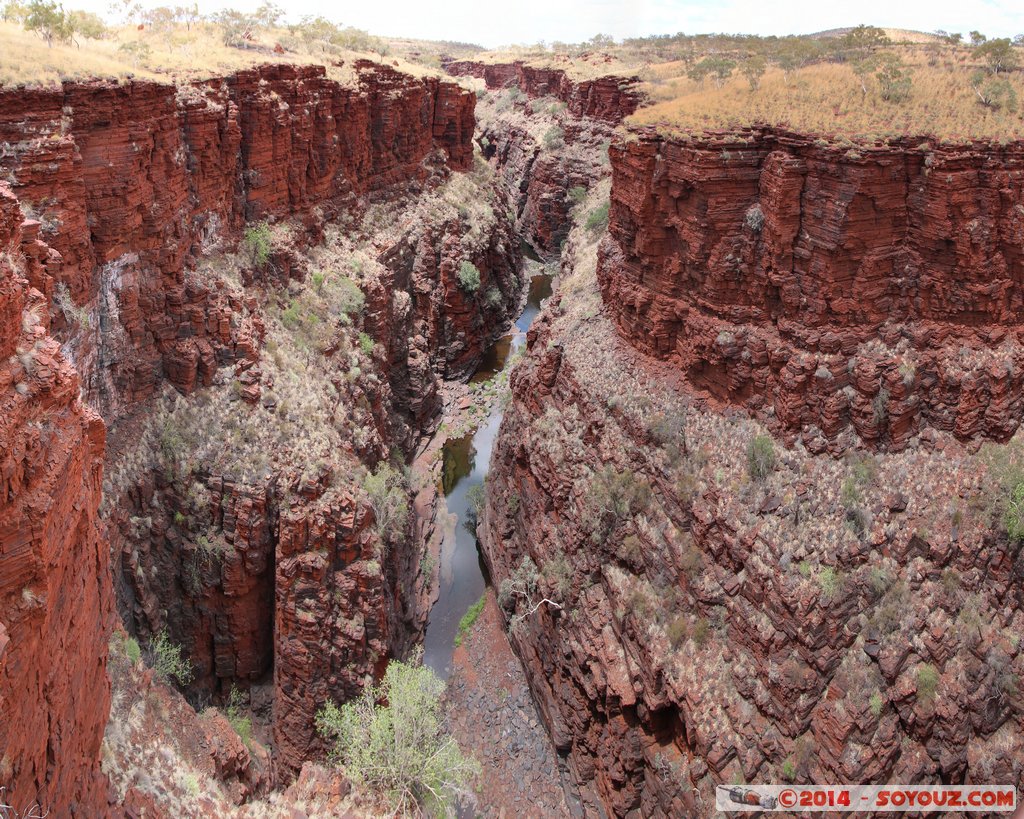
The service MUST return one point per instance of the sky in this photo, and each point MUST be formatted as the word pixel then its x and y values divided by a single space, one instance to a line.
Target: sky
pixel 492 24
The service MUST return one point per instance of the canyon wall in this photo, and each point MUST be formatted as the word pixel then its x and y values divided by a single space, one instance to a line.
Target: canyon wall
pixel 687 621
pixel 609 98
pixel 141 191
pixel 55 595
pixel 840 294
pixel 131 182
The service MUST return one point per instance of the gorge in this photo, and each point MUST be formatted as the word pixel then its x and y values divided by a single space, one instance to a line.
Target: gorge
pixel 741 461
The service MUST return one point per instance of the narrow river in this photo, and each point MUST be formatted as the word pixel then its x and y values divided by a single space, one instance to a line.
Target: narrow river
pixel 462 574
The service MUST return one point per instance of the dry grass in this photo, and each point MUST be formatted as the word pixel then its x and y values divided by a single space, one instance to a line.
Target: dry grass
pixel 827 98
pixel 586 66
pixel 176 54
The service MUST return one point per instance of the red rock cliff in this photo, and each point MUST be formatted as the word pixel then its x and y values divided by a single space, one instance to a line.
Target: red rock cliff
pixel 829 622
pixel 55 594
pixel 837 294
pixel 610 98
pixel 132 181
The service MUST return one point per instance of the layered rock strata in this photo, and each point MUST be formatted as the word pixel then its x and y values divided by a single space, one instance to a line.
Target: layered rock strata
pixel 610 98
pixel 685 624
pixel 844 296
pixel 132 182
pixel 55 594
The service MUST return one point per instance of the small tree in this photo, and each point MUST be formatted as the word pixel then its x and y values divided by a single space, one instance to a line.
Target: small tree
pixel 317 33
pixel 237 29
pixel 720 68
pixel 48 19
pixel 864 69
pixel 88 25
pixel 256 241
pixel 386 490
pixel 753 69
pixel 523 585
pixel 865 37
pixel 893 79
pixel 269 15
pixel 167 659
pixel 995 93
pixel 977 38
pixel 14 12
pixel 400 748
pixel 469 277
pixel 999 54
pixel 760 457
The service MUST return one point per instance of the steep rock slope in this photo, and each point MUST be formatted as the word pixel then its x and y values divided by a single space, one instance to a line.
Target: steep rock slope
pixel 547 158
pixel 687 619
pixel 867 294
pixel 55 597
pixel 610 98
pixel 238 514
pixel 132 181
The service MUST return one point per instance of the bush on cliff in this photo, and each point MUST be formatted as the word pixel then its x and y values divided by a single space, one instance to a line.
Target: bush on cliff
pixel 469 277
pixel 400 748
pixel 597 221
pixel 256 241
pixel 760 457
pixel 168 661
pixel 386 490
pixel 1014 516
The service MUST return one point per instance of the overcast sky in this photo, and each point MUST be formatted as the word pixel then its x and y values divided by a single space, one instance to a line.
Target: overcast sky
pixel 528 21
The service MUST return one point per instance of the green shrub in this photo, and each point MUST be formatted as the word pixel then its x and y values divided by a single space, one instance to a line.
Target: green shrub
pixel 475 497
pixel 597 221
pixel 399 749
pixel 788 770
pixel 760 457
pixel 876 704
pixel 554 138
pixel 577 193
pixel 492 298
pixel 469 618
pixel 677 631
pixel 236 715
pixel 366 344
pixel 386 490
pixel 167 660
pixel 256 242
pixel 1014 517
pixel 927 682
pixel 830 581
pixel 469 277
pixel 132 650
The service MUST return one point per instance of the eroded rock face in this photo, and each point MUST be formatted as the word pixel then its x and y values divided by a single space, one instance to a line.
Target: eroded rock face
pixel 55 594
pixel 868 294
pixel 828 622
pixel 132 181
pixel 131 186
pixel 610 98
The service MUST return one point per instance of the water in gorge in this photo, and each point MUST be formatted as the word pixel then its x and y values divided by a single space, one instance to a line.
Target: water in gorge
pixel 465 462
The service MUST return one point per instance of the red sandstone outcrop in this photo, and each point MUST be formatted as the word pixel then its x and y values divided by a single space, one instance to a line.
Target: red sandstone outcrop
pixel 838 294
pixel 546 158
pixel 610 98
pixel 714 628
pixel 55 595
pixel 132 182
